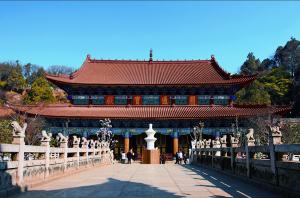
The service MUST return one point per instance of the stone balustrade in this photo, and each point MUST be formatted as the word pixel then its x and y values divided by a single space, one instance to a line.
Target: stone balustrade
pixel 25 165
pixel 261 164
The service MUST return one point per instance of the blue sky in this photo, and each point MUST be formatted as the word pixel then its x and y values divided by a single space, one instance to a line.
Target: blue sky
pixel 63 33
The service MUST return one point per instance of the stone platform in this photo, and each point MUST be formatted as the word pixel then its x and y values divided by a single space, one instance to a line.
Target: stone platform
pixel 148 180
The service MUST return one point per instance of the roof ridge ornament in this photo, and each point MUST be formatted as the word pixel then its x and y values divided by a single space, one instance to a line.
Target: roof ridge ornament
pixel 151 55
pixel 88 57
pixel 212 58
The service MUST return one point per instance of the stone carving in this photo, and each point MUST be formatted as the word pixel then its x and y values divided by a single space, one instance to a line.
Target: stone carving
pixel 207 143
pixel 62 138
pixel 46 137
pixel 84 142
pixel 223 139
pixel 217 144
pixel 198 145
pixel 150 139
pixel 202 143
pixel 250 137
pixel 76 140
pixel 92 144
pixel 275 133
pixel 234 141
pixel 18 131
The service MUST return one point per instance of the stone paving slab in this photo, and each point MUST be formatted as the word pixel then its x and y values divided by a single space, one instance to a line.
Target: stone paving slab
pixel 139 180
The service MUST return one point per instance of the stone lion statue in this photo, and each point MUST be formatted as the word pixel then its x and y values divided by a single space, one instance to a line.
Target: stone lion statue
pixel 207 143
pixel 216 142
pixel 84 141
pixel 46 137
pixel 92 143
pixel 62 138
pixel 76 140
pixel 250 134
pixel 17 129
pixel 234 140
pixel 223 139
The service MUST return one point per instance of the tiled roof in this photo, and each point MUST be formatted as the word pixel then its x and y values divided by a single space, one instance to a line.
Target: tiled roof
pixel 5 112
pixel 149 112
pixel 127 72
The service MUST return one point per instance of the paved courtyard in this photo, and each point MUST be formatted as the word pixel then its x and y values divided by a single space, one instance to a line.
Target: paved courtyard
pixel 137 180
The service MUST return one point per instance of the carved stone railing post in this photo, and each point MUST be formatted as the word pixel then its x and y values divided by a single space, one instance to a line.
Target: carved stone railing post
pixel 63 143
pixel 249 142
pixel 274 138
pixel 217 144
pixel 234 144
pixel 45 141
pixel 223 145
pixel 18 139
pixel 93 144
pixel 76 142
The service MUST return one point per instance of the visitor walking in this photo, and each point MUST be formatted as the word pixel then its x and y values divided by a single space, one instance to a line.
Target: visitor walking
pixel 123 157
pixel 180 157
pixel 162 158
pixel 129 156
pixel 176 158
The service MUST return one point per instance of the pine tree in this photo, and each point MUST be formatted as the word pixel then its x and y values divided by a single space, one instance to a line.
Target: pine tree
pixel 40 91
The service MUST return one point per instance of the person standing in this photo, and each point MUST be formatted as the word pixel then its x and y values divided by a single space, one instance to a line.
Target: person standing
pixel 176 158
pixel 129 156
pixel 123 157
pixel 180 157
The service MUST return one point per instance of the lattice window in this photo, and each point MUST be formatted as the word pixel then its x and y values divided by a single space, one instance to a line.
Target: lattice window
pixel 203 100
pixel 121 100
pixel 150 100
pixel 181 100
pixel 221 100
pixel 97 100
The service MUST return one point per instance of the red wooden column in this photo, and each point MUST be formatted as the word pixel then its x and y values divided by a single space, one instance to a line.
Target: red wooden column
pixel 175 142
pixel 126 142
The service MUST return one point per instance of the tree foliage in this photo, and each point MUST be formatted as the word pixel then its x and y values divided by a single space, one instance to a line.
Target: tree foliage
pixel 251 95
pixel 15 80
pixel 251 65
pixel 34 130
pixel 291 133
pixel 40 91
pixel 278 83
pixel 59 69
pixel 5 131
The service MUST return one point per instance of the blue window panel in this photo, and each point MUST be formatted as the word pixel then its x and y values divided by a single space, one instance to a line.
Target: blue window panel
pixel 150 100
pixel 121 100
pixel 80 100
pixel 203 100
pixel 97 100
pixel 221 100
pixel 181 100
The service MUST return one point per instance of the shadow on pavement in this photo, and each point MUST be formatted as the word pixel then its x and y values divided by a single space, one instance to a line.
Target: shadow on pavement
pixel 234 187
pixel 111 188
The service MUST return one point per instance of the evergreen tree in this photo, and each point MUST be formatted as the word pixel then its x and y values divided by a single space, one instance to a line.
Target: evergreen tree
pixel 255 93
pixel 250 66
pixel 5 132
pixel 289 56
pixel 15 80
pixel 40 92
pixel 278 84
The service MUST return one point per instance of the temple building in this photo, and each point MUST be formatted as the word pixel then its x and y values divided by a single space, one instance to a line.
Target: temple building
pixel 172 95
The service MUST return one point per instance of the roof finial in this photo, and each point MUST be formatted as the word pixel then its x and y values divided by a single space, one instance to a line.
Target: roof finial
pixel 88 57
pixel 150 59
pixel 212 57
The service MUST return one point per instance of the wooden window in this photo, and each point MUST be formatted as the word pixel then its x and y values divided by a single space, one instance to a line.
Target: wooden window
pixel 137 100
pixel 109 100
pixel 164 100
pixel 192 100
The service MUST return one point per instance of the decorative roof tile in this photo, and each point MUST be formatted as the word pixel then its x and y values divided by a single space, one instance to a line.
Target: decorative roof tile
pixel 128 72
pixel 150 112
